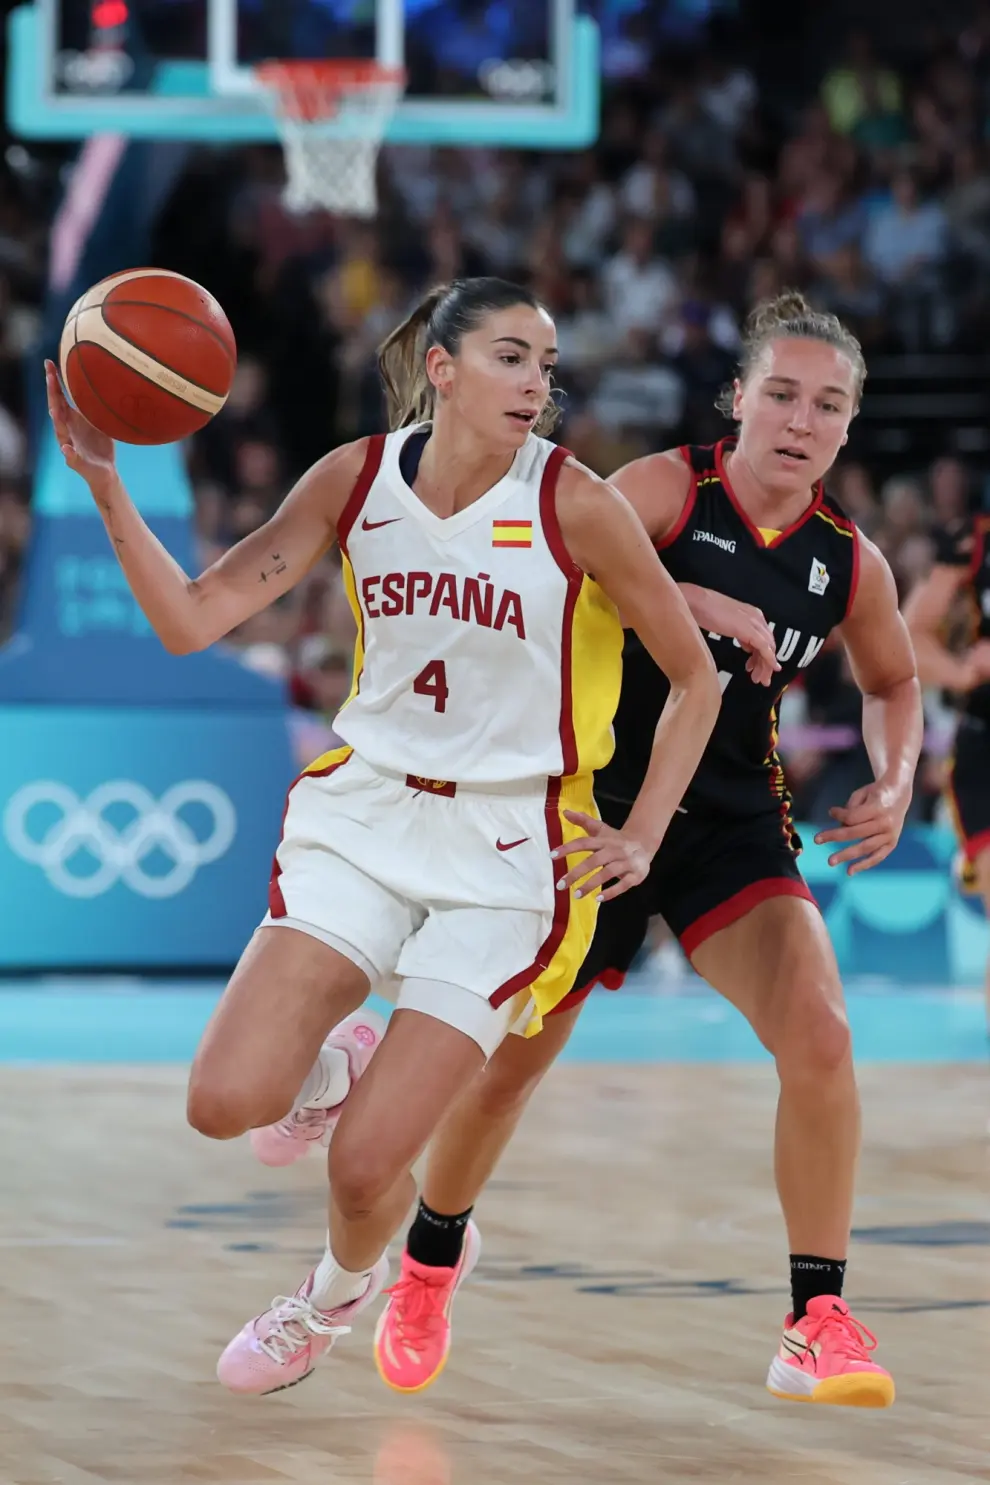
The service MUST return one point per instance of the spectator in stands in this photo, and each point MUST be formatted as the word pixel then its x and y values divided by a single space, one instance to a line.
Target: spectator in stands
pixel 908 237
pixel 903 536
pixel 704 366
pixel 848 289
pixel 855 493
pixel 832 220
pixel 881 127
pixel 589 212
pixel 727 90
pixel 587 336
pixel 948 482
pixel 640 289
pixel 967 204
pixel 700 145
pixel 906 245
pixel 636 392
pixel 247 415
pixel 859 85
pixel 653 187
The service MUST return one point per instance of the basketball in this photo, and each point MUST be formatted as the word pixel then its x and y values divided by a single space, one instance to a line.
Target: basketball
pixel 147 356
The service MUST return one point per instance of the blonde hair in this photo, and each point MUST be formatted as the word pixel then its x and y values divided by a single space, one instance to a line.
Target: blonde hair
pixel 790 315
pixel 443 317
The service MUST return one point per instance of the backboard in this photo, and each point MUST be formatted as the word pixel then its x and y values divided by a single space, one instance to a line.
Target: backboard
pixel 522 73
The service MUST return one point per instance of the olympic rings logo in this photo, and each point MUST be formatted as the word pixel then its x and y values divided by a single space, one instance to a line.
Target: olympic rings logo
pixel 121 854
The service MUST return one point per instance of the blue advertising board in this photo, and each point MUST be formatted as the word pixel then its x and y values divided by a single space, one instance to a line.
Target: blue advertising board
pixel 906 920
pixel 140 792
pixel 135 837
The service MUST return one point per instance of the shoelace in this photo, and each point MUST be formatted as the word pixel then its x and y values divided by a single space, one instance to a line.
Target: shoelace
pixel 297 1320
pixel 310 1122
pixel 855 1340
pixel 415 1314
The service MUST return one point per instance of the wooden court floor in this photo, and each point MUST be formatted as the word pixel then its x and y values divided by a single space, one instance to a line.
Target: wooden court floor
pixel 618 1328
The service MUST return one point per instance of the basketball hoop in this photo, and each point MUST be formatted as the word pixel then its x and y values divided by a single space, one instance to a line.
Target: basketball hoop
pixel 332 117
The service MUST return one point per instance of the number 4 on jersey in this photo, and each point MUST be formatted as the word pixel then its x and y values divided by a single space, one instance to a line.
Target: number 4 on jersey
pixel 432 682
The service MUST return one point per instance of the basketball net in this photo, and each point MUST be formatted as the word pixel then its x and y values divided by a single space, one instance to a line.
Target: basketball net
pixel 331 119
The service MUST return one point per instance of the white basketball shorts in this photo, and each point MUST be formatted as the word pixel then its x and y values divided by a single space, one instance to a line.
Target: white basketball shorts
pixel 422 880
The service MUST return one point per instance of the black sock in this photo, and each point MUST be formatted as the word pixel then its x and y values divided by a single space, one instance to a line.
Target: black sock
pixel 811 1276
pixel 436 1240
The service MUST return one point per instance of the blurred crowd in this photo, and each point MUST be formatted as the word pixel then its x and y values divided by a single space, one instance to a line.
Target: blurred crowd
pixel 708 190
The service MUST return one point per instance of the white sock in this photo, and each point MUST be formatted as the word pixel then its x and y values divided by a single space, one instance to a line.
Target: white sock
pixel 328 1081
pixel 333 1286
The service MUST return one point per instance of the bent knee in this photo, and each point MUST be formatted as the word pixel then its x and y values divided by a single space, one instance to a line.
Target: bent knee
pixel 813 1040
pixel 359 1178
pixel 224 1114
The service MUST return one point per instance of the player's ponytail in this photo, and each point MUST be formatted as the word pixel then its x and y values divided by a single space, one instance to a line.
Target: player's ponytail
pixel 790 315
pixel 402 364
pixel 444 317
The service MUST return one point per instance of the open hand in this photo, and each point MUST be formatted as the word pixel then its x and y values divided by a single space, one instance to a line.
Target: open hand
pixel 84 448
pixel 612 856
pixel 718 614
pixel 872 820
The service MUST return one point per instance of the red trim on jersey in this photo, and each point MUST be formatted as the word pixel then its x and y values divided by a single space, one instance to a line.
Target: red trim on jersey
pixel 974 846
pixel 548 513
pixel 276 902
pixel 575 998
pixel 561 907
pixel 363 483
pixel 754 530
pixel 854 580
pixel 575 577
pixel 838 519
pixel 688 506
pixel 738 906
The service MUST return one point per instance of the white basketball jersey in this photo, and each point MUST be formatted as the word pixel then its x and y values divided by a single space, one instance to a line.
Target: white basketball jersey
pixel 484 655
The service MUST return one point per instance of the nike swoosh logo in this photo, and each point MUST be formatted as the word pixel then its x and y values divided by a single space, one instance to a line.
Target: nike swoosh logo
pixel 367 525
pixel 799 1350
pixel 510 845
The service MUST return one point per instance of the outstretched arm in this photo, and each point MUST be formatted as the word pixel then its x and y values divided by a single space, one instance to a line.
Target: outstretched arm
pixel 191 613
pixel 883 665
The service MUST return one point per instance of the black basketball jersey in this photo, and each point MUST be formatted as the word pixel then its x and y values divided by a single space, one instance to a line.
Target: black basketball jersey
pixel 966 543
pixel 803 580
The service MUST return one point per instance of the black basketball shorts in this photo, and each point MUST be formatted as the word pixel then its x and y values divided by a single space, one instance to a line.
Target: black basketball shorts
pixel 707 874
pixel 969 786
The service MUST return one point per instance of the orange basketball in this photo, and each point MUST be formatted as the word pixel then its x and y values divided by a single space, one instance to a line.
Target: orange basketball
pixel 147 356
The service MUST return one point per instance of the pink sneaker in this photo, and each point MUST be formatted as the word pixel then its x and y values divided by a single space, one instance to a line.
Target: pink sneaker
pixel 281 1347
pixel 412 1338
pixel 825 1358
pixel 295 1135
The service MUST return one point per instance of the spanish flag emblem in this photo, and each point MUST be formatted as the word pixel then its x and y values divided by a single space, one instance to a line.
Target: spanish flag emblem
pixel 512 533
